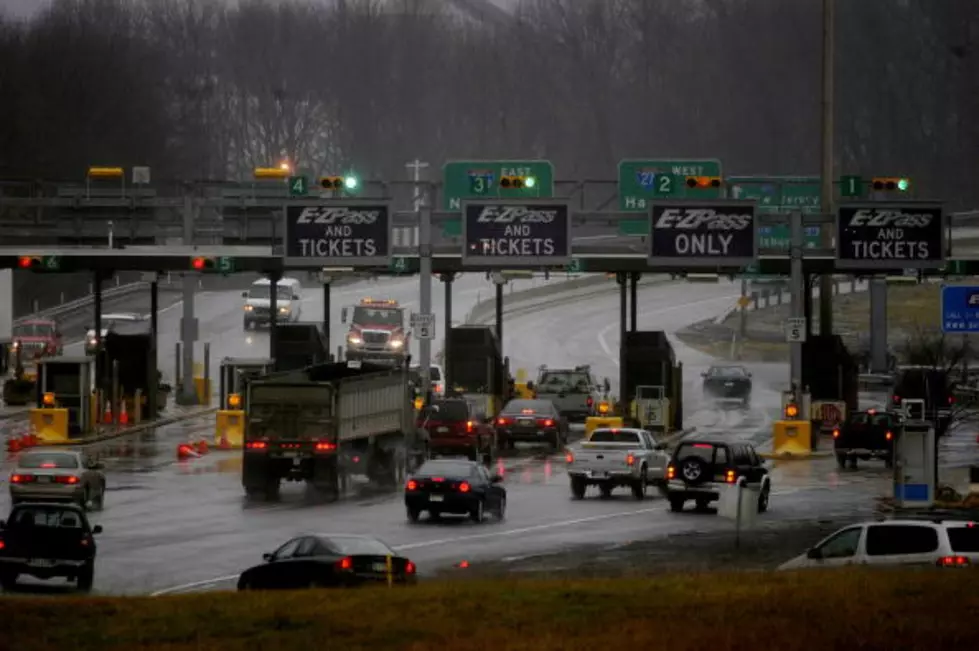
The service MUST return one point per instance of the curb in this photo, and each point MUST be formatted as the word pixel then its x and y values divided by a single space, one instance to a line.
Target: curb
pixel 135 429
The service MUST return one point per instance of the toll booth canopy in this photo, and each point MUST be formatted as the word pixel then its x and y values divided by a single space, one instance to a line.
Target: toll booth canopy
pixel 70 380
pixel 237 372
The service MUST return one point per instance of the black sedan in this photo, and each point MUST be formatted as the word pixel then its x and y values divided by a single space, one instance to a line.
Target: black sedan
pixel 728 383
pixel 533 421
pixel 328 561
pixel 455 487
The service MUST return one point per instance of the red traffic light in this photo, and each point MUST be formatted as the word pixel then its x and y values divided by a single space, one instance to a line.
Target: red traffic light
pixel 199 263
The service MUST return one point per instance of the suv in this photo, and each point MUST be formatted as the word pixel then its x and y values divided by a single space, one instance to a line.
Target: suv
pixel 895 542
pixel 454 429
pixel 700 466
pixel 46 541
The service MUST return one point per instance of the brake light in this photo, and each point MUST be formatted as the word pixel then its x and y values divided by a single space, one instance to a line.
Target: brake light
pixel 953 561
pixel 2 544
pixel 836 433
pixel 66 479
pixel 888 436
pixel 670 472
pixel 412 485
pixel 526 411
pixel 896 399
pixel 464 487
pixel 546 422
pixel 83 542
pixel 410 568
pixel 590 402
pixel 951 400
pixel 438 479
pixel 469 427
pixel 703 446
pixel 325 446
pixel 502 421
pixel 256 445
pixel 871 412
pixel 569 457
pixel 730 477
pixel 48 465
pixel 630 460
pixel 345 564
pixel 439 388
pixel 21 479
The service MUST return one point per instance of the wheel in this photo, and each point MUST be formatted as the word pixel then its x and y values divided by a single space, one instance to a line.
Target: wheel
pixel 501 509
pixel 676 504
pixel 606 490
pixel 555 441
pixel 853 463
pixel 702 504
pixel 8 580
pixel 86 576
pixel 85 501
pixel 578 488
pixel 639 488
pixel 413 514
pixel 272 489
pixel 763 500
pixel 501 442
pixel 841 460
pixel 693 470
pixel 243 584
pixel 477 514
pixel 473 454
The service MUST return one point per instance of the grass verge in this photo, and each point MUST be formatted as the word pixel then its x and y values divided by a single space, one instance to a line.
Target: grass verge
pixel 924 609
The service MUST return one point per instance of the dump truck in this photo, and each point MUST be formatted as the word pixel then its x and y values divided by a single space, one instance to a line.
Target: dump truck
pixel 327 422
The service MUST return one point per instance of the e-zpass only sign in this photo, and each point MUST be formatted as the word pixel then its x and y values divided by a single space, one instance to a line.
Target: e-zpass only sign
pixel 895 236
pixel 712 233
pixel 519 232
pixel 338 235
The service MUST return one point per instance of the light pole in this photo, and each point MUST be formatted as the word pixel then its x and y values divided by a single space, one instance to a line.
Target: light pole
pixel 828 104
pixel 424 217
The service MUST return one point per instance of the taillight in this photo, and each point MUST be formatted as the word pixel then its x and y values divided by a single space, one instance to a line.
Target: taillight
pixel 464 487
pixel 2 544
pixel 66 479
pixel 439 388
pixel 670 472
pixel 896 399
pixel 951 400
pixel 325 446
pixel 836 433
pixel 21 479
pixel 83 542
pixel 590 402
pixel 345 564
pixel 412 485
pixel 888 436
pixel 630 460
pixel 546 422
pixel 410 568
pixel 569 457
pixel 469 427
pixel 256 445
pixel 953 561
pixel 729 478
pixel 502 421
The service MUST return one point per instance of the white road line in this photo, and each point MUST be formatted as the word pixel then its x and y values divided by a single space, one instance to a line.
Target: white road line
pixel 433 543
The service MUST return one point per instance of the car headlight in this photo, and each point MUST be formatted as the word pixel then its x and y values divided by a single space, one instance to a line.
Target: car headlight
pixel 355 340
pixel 284 310
pixel 396 343
pixel 249 308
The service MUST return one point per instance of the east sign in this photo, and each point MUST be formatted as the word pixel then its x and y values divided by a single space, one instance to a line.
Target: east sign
pixel 702 233
pixel 518 233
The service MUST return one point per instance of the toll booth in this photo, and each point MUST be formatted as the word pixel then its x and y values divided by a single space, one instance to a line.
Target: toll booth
pixel 229 429
pixel 915 460
pixel 65 399
pixel 652 408
pixel 648 360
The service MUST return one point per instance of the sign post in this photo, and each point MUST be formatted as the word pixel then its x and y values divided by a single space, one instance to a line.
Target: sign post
pixel 882 236
pixel 517 233
pixel 641 182
pixel 483 180
pixel 339 233
pixel 703 233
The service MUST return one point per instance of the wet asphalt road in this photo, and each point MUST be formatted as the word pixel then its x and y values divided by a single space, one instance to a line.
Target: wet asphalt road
pixel 185 526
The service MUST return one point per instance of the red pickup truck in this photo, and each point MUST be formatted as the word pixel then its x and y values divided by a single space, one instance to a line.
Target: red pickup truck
pixel 36 338
pixel 453 429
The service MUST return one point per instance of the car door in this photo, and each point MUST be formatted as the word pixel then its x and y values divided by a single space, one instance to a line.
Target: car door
pixel 279 572
pixel 302 566
pixel 842 548
pixel 902 544
pixel 657 458
pixel 481 477
pixel 756 469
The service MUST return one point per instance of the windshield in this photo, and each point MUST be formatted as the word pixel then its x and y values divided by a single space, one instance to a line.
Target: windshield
pixel 613 436
pixel 435 375
pixel 355 545
pixel 728 371
pixel 263 291
pixel 46 517
pixel 564 381
pixel 446 410
pixel 444 469
pixel 33 330
pixel 528 407
pixel 384 316
pixel 48 460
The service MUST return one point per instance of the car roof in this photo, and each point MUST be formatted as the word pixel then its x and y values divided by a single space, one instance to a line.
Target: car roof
pixel 35 322
pixel 617 429
pixel 715 441
pixel 49 450
pixel 738 366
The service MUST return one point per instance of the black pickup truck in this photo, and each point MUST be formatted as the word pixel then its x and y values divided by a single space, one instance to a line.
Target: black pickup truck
pixel 866 435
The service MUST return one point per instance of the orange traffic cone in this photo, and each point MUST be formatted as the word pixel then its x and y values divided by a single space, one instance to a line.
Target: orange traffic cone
pixel 186 451
pixel 13 444
pixel 202 447
pixel 123 414
pixel 107 414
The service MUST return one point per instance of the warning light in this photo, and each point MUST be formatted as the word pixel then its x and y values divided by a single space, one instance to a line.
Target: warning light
pixel 337 183
pixel 221 264
pixel 48 400
pixel 703 182
pixel 517 182
pixel 791 411
pixel 199 264
pixel 234 401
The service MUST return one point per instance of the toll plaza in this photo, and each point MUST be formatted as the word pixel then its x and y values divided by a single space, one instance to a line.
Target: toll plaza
pixel 229 429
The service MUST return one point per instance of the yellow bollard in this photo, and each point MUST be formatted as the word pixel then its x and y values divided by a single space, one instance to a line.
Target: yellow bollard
pixel 593 423
pixel 791 439
pixel 50 424
pixel 203 390
pixel 229 429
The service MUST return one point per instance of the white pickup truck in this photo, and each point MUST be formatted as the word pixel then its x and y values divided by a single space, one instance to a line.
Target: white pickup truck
pixel 614 457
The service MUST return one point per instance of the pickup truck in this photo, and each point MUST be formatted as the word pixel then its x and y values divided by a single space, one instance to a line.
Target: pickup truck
pixel 573 391
pixel 614 457
pixel 866 435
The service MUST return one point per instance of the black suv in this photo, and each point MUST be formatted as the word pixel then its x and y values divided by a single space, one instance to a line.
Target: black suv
pixel 867 435
pixel 700 466
pixel 47 541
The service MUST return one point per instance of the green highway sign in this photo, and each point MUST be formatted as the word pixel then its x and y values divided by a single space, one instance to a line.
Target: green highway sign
pixel 226 264
pixel 642 181
pixel 402 265
pixel 851 186
pixel 298 186
pixel 780 195
pixel 498 179
pixel 576 266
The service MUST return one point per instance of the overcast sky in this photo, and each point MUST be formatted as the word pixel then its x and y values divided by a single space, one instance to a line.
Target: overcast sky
pixel 22 8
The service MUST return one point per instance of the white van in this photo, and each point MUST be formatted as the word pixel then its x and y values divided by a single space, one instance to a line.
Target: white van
pixel 288 300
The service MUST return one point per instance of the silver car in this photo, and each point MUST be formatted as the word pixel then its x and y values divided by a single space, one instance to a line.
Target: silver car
pixel 58 475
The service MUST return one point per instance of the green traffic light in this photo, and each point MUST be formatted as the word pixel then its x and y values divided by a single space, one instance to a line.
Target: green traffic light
pixel 903 185
pixel 350 182
pixel 530 182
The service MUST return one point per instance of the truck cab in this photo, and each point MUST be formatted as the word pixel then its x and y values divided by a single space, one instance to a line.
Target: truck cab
pixel 36 338
pixel 377 331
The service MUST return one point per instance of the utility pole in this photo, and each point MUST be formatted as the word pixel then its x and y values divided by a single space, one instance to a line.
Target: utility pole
pixel 828 130
pixel 796 282
pixel 424 216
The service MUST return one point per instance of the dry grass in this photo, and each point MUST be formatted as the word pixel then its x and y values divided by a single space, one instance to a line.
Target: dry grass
pixel 925 609
pixel 910 308
pixel 750 351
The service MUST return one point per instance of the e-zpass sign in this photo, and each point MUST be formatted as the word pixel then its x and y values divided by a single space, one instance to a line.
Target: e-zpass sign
pixel 516 233
pixel 331 235
pixel 711 233
pixel 890 236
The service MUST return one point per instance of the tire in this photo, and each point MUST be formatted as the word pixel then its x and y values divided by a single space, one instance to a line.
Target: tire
pixel 474 454
pixel 841 460
pixel 477 514
pixel 693 471
pixel 888 462
pixel 85 501
pixel 555 442
pixel 244 585
pixel 639 487
pixel 501 443
pixel 676 504
pixel 606 490
pixel 413 514
pixel 578 488
pixel 8 580
pixel 501 509
pixel 763 500
pixel 86 577
pixel 702 504
pixel 100 502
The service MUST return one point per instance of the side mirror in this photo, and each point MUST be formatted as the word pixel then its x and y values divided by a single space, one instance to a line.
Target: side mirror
pixel 343 315
pixel 814 553
pixel 749 374
pixel 267 556
pixel 496 479
pixel 244 294
pixel 97 529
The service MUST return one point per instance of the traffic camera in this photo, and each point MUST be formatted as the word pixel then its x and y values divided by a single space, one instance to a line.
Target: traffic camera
pixel 338 183
pixel 890 184
pixel 703 182
pixel 517 182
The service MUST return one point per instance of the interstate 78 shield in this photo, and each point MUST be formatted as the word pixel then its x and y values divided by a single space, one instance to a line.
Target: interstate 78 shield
pixel 516 233
pixel 342 234
pixel 703 233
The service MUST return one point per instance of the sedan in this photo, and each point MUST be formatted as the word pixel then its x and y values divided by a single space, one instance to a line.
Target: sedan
pixel 110 323
pixel 728 383
pixel 456 487
pixel 534 421
pixel 328 561
pixel 58 475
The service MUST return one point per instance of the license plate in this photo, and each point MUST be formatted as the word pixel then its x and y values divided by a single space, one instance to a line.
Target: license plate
pixel 526 421
pixel 729 384
pixel 290 455
pixel 436 498
pixel 43 479
pixel 40 562
pixel 380 567
pixel 442 430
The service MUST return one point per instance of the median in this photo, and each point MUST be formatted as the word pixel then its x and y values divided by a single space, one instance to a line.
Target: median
pixel 841 609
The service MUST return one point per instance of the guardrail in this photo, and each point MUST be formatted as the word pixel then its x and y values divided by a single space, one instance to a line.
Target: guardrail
pixel 71 306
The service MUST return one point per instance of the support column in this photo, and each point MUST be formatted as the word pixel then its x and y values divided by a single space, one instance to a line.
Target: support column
pixel 807 303
pixel 798 285
pixel 326 317
pixel 447 279
pixel 878 325
pixel 153 390
pixel 274 279
pixel 499 314
pixel 97 328
pixel 623 399
pixel 633 303
pixel 424 212
pixel 188 335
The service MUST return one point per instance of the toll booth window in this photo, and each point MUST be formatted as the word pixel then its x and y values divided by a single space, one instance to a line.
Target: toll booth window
pixel 613 436
pixel 63 380
pixel 375 316
pixel 47 460
pixel 564 382
pixel 895 539
pixel 964 540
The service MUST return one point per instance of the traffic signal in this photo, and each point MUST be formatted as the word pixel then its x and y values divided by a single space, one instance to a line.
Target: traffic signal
pixel 517 182
pixel 703 181
pixel 338 183
pixel 890 184
pixel 221 264
pixel 39 262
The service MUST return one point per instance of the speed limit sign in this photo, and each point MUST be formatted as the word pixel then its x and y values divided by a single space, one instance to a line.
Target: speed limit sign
pixel 795 330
